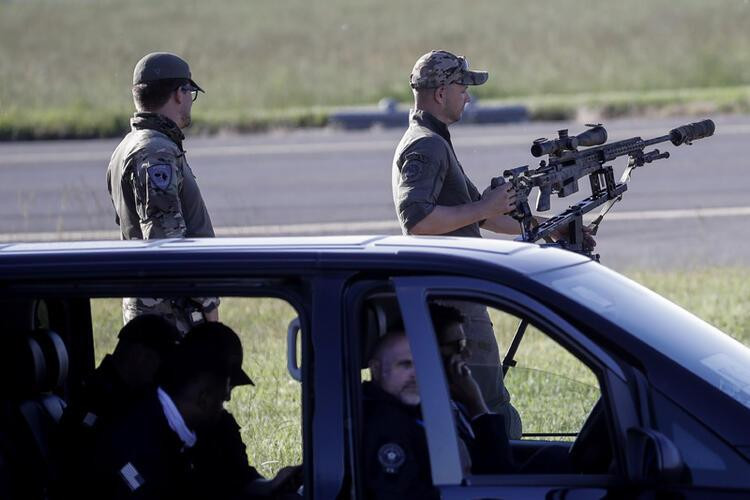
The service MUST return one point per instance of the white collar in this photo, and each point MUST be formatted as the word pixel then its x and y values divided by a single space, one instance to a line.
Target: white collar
pixel 175 420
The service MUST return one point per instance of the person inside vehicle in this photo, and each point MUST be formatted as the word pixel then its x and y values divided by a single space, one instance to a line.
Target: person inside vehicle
pixel 126 375
pixel 180 442
pixel 219 455
pixel 121 380
pixel 396 455
pixel 482 431
pixel 396 458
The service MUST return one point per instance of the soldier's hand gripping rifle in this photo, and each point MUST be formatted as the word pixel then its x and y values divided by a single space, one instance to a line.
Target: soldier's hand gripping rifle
pixel 566 164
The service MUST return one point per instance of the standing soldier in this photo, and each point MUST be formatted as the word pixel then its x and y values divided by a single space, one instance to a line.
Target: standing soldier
pixel 433 195
pixel 153 189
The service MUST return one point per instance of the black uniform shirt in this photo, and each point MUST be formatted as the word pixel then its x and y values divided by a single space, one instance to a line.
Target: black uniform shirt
pixel 220 459
pixel 396 458
pixel 426 173
pixel 141 457
pixel 397 463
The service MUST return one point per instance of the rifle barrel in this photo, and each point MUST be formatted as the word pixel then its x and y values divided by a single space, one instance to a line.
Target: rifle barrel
pixel 657 140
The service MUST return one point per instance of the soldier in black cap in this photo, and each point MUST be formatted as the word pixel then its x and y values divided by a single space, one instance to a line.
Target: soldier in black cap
pixel 181 442
pixel 153 189
pixel 120 381
pixel 126 375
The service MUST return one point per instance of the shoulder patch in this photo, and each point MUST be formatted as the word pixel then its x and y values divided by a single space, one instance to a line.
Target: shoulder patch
pixel 391 457
pixel 160 175
pixel 131 476
pixel 413 165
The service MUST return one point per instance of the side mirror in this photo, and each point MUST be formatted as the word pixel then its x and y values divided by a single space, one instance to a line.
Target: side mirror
pixel 654 458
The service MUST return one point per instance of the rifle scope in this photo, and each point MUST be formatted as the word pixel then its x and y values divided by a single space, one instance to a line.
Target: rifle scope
pixel 592 137
pixel 688 133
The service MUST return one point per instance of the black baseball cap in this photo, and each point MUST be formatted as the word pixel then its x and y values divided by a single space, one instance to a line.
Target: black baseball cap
pixel 151 331
pixel 162 66
pixel 215 347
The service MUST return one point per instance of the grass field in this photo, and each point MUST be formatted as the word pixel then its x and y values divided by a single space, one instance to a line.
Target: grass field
pixel 269 413
pixel 66 65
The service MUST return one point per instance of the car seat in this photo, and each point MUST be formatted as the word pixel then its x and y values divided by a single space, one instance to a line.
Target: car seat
pixel 34 367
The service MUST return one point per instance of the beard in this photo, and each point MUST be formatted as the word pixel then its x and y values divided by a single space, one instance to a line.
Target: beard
pixel 185 120
pixel 409 395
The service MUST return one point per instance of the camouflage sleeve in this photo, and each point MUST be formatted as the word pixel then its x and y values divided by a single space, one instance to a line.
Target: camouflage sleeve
pixel 418 181
pixel 208 304
pixel 158 181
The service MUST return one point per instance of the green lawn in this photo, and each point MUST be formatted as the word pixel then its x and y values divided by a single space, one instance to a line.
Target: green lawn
pixel 66 65
pixel 269 413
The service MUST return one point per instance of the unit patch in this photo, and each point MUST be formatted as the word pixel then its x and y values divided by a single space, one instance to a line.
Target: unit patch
pixel 413 166
pixel 160 175
pixel 391 457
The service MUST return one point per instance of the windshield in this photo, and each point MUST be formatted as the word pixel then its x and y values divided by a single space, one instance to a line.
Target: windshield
pixel 699 347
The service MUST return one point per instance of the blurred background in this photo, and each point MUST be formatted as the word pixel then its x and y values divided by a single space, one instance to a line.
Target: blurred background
pixel 66 65
pixel 286 67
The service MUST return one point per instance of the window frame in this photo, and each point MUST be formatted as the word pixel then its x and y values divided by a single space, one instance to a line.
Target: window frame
pixel 309 295
pixel 413 294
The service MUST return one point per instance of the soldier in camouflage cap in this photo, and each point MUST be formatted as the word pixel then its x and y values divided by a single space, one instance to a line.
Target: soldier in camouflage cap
pixel 438 68
pixel 153 189
pixel 433 196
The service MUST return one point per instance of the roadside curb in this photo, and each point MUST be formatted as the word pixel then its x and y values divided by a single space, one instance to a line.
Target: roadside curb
pixel 389 114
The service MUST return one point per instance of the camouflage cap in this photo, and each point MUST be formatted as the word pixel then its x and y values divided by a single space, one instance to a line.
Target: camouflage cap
pixel 439 67
pixel 162 66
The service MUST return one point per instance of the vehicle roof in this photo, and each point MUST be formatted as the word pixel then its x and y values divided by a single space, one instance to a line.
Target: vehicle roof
pixel 425 253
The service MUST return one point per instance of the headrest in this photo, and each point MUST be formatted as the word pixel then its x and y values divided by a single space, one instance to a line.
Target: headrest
pixel 55 357
pixel 381 315
pixel 23 369
pixel 373 328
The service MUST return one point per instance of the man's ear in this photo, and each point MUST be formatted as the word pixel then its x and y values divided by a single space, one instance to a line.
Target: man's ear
pixel 439 94
pixel 178 95
pixel 374 366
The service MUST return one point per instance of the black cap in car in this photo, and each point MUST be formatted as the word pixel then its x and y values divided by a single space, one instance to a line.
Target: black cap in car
pixel 151 331
pixel 217 348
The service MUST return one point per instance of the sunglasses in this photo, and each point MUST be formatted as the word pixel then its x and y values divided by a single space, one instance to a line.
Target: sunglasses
pixel 457 346
pixel 189 88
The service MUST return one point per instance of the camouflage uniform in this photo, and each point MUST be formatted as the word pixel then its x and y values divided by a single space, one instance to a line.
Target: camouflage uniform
pixel 155 195
pixel 426 173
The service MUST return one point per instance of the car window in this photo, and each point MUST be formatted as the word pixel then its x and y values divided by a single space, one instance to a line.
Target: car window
pixel 269 413
pixel 553 391
pixel 710 461
pixel 691 342
pixel 544 401
pixel 548 393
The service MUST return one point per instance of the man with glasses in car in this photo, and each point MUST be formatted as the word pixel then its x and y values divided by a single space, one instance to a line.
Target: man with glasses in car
pixel 153 189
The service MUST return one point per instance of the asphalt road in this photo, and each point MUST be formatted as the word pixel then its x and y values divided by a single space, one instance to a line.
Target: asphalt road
pixel 692 210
